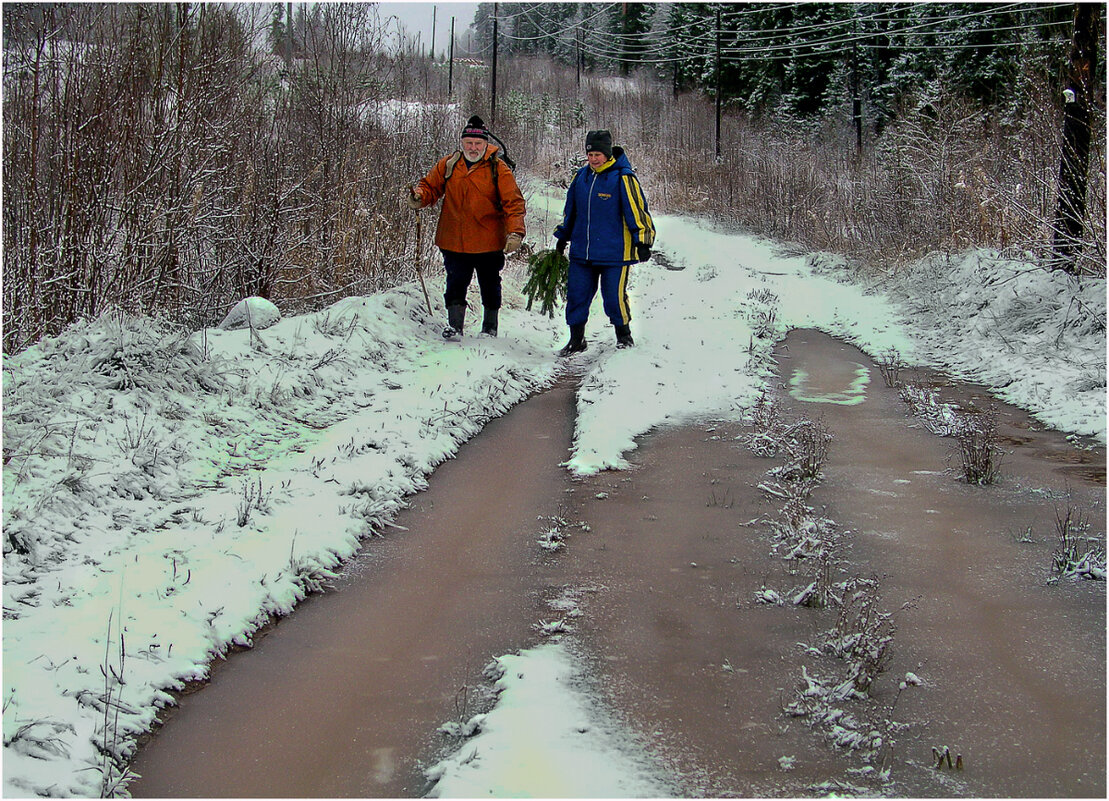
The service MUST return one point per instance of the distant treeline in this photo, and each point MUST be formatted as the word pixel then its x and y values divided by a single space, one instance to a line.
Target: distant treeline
pixel 804 60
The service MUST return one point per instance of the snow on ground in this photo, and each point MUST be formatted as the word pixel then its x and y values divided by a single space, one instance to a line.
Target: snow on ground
pixel 165 492
pixel 573 754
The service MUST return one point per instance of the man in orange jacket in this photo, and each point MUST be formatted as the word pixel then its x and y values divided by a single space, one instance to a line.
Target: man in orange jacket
pixel 482 219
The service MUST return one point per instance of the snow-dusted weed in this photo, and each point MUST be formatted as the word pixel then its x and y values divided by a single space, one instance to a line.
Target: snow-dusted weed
pixel 554 537
pixel 862 636
pixel 549 628
pixel 937 417
pixel 819 593
pixel 976 434
pixel 806 442
pixel 465 725
pixel 890 366
pixel 552 540
pixel 767 428
pixel 762 313
pixel 1078 555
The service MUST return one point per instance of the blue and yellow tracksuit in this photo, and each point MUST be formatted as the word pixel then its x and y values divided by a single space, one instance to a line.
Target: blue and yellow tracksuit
pixel 605 218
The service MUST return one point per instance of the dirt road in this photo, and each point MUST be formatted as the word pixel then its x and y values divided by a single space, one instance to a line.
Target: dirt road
pixel 343 697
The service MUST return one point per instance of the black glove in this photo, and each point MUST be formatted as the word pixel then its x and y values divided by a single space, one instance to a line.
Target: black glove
pixel 560 248
pixel 643 251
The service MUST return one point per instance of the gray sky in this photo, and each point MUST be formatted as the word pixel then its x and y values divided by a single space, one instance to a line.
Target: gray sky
pixel 416 17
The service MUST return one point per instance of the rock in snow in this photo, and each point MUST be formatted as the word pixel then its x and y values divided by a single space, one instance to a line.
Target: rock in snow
pixel 253 312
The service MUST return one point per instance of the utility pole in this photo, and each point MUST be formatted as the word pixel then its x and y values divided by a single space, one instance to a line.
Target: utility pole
pixel 856 97
pixel 718 99
pixel 493 107
pixel 289 38
pixel 577 61
pixel 450 69
pixel 1074 164
pixel 434 11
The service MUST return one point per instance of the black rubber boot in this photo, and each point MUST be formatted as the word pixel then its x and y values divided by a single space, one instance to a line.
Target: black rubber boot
pixel 456 318
pixel 577 341
pixel 624 336
pixel 489 323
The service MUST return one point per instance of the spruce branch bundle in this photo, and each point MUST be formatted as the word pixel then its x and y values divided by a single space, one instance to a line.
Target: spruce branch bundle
pixel 547 276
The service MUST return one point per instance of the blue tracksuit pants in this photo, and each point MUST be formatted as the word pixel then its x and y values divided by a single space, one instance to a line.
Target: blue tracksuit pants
pixel 582 286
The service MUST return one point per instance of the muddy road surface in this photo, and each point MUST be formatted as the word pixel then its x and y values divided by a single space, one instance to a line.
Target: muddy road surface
pixel 343 697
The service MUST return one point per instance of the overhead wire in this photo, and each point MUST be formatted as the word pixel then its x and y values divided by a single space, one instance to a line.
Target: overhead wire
pixel 628 46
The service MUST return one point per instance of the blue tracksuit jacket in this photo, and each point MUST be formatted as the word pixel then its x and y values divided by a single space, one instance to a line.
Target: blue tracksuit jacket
pixel 606 214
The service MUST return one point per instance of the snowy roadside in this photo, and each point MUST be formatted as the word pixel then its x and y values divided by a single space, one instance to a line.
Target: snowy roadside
pixel 164 494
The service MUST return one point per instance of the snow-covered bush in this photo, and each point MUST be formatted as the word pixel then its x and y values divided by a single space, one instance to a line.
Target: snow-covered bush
pixel 1078 554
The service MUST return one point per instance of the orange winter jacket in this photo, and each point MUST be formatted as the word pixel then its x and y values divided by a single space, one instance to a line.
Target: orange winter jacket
pixel 474 219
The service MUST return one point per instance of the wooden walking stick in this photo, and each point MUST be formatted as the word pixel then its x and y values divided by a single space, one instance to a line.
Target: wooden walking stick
pixel 420 257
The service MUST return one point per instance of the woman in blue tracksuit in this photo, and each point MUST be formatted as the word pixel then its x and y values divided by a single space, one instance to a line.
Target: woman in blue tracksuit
pixel 609 228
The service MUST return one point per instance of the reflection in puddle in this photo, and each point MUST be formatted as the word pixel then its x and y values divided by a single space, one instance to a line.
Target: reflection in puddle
pixel 802 389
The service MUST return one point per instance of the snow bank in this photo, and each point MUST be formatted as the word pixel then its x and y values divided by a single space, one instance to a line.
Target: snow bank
pixel 165 493
pixel 572 753
pixel 256 313
pixel 1036 337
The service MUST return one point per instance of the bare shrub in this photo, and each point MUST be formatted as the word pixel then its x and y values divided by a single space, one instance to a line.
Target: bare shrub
pixel 806 442
pixel 766 436
pixel 976 434
pixel 157 160
pixel 862 636
pixel 1078 555
pixel 890 366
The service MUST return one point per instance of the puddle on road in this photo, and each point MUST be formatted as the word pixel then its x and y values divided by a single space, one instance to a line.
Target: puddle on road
pixel 1014 669
pixel 1013 665
pixel 832 389
pixel 344 696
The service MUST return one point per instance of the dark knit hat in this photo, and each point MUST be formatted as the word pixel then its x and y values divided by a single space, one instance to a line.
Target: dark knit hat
pixel 600 141
pixel 475 128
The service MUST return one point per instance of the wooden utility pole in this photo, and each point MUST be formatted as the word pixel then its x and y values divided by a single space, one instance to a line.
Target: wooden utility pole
pixel 450 69
pixel 856 90
pixel 577 61
pixel 289 38
pixel 493 105
pixel 1074 163
pixel 719 104
pixel 434 12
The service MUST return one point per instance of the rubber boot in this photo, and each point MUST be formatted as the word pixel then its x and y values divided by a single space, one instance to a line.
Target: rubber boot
pixel 577 341
pixel 489 323
pixel 456 318
pixel 624 336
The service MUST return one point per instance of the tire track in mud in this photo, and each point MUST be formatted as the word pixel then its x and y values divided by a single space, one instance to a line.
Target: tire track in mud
pixel 344 696
pixel 1013 666
pixel 1013 669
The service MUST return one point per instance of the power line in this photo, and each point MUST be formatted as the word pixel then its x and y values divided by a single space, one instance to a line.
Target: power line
pixel 630 46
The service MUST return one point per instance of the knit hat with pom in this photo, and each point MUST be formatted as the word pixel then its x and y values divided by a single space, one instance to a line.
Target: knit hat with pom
pixel 475 128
